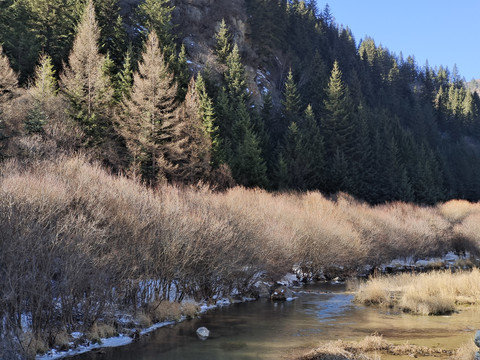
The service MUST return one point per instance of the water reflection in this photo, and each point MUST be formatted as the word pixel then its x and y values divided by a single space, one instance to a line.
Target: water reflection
pixel 266 330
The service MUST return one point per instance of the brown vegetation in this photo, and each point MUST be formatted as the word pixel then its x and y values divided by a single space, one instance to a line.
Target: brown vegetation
pixel 370 348
pixel 79 244
pixel 431 293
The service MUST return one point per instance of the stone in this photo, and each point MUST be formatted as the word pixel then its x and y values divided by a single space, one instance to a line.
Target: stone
pixel 281 293
pixel 203 333
pixel 262 289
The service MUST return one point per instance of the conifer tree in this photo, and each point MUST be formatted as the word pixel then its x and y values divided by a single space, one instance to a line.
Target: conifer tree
pixel 247 164
pixel 337 124
pixel 84 81
pixel 312 152
pixel 291 103
pixel 125 77
pixel 224 42
pixel 43 91
pixel 189 145
pixel 8 85
pixel 156 15
pixel 149 112
pixel 8 78
pixel 207 114
pixel 235 77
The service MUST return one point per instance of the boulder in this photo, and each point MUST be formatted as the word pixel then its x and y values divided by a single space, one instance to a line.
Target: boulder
pixel 262 289
pixel 281 293
pixel 203 333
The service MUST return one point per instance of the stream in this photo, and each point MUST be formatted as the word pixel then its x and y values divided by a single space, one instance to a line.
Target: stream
pixel 268 330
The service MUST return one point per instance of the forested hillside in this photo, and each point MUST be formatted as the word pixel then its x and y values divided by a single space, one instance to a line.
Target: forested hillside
pixel 261 93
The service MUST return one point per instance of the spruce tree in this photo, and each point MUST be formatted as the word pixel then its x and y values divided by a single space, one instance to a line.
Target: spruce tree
pixel 207 114
pixel 223 46
pixel 235 77
pixel 156 15
pixel 247 164
pixel 43 91
pixel 312 152
pixel 291 103
pixel 337 124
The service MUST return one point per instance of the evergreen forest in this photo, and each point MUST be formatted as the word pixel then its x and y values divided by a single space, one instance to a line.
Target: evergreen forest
pixel 116 82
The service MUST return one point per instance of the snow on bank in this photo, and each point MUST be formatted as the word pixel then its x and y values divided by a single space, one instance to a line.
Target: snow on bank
pixel 123 340
pixel 120 340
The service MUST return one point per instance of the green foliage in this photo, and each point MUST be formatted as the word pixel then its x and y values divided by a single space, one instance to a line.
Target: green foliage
pixel 224 42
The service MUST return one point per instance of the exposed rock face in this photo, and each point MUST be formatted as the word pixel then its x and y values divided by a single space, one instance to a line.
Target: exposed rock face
pixel 197 21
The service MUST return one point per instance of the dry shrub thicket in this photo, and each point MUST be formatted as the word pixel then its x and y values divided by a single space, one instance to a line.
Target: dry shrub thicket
pixel 79 245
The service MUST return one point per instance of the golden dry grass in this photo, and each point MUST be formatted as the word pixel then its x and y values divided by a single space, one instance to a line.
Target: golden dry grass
pixel 370 348
pixel 436 292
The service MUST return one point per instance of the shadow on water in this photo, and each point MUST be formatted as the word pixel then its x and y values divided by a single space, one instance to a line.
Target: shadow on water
pixel 266 330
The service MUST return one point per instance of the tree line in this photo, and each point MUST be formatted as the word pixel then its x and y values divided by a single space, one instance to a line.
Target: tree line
pixel 343 117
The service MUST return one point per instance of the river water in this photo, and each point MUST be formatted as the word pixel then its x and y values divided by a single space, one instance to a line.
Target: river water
pixel 268 330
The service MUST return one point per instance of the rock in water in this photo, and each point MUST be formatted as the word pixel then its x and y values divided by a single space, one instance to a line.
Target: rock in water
pixel 203 333
pixel 281 294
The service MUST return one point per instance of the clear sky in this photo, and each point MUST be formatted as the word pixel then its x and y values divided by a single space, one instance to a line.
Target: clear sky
pixel 440 31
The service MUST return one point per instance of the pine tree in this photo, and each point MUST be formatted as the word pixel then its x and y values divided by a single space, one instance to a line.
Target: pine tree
pixel 149 112
pixel 224 42
pixel 85 82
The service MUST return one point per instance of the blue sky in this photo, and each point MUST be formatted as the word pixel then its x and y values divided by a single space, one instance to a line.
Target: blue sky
pixel 442 32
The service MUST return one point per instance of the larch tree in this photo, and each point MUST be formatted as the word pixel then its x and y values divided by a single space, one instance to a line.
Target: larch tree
pixel 84 81
pixel 149 112
pixel 189 148
pixel 8 78
pixel 8 85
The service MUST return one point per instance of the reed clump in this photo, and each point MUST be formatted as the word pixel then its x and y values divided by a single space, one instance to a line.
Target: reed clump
pixel 438 292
